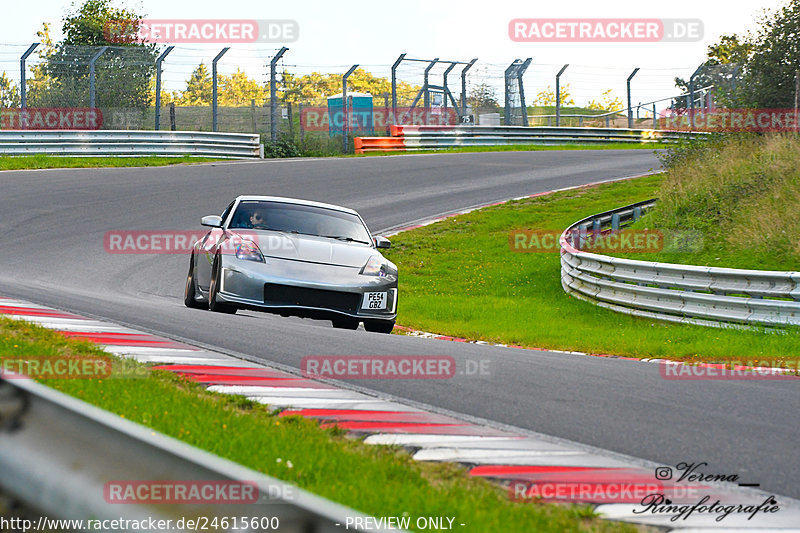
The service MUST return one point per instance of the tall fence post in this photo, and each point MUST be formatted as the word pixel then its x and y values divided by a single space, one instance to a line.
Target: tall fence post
pixel 386 112
pixel 273 95
pixel 655 119
pixel 345 118
pixel 300 122
pixel 172 125
pixel 394 87
pixel 796 98
pixel 558 94
pixel 91 74
pixel 630 111
pixel 23 94
pixel 520 72
pixel 691 95
pixel 291 120
pixel 427 96
pixel 158 85
pixel 464 86
pixel 214 87
pixel 445 90
pixel 507 92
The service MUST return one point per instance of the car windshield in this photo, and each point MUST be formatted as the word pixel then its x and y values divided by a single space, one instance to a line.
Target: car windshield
pixel 298 218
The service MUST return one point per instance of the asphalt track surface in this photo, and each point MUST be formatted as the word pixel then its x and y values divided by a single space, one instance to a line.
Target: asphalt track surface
pixel 52 225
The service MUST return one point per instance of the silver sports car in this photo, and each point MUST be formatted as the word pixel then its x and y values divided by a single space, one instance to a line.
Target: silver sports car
pixel 293 257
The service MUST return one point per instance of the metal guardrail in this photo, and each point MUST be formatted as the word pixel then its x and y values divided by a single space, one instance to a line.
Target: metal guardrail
pixel 129 143
pixel 709 296
pixel 57 454
pixel 410 138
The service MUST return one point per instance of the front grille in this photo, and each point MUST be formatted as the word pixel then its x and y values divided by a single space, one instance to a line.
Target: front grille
pixel 275 294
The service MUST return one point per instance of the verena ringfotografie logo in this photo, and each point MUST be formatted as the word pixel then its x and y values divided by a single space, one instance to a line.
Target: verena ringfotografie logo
pixel 232 31
pixel 604 30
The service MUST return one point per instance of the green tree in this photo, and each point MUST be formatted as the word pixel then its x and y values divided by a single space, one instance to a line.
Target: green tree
pixel 725 62
pixel 548 96
pixel 238 90
pixel 483 98
pixel 314 88
pixel 123 73
pixel 198 88
pixel 775 59
pixel 607 102
pixel 9 92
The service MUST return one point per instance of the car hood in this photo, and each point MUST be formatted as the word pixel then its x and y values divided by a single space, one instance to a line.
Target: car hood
pixel 309 248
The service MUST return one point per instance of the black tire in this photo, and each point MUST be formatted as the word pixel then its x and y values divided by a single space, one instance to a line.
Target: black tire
pixel 190 291
pixel 345 323
pixel 213 290
pixel 379 326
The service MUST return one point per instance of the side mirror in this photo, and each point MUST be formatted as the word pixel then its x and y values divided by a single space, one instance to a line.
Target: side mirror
pixel 382 242
pixel 212 221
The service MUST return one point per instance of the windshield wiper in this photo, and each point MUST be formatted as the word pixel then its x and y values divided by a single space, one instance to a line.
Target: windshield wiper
pixel 343 238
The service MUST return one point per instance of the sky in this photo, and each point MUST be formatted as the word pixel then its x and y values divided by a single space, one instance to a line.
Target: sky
pixel 335 35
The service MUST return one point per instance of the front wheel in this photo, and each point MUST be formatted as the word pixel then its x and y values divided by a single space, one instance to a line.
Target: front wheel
pixel 379 326
pixel 213 291
pixel 190 291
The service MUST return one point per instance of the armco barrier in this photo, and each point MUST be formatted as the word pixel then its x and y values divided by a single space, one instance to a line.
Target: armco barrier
pixel 704 295
pixel 59 454
pixel 411 138
pixel 129 143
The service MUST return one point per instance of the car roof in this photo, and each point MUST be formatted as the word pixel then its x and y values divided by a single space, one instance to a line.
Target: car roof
pixel 295 201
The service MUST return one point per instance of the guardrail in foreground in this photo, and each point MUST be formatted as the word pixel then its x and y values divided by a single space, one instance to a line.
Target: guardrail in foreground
pixel 703 295
pixel 57 453
pixel 410 138
pixel 129 143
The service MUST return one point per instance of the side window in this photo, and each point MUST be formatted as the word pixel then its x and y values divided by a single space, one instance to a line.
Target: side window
pixel 227 211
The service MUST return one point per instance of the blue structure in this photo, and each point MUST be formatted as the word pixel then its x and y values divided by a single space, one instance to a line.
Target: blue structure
pixel 362 121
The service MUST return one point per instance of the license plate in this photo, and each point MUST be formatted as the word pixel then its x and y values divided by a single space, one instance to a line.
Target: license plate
pixel 374 300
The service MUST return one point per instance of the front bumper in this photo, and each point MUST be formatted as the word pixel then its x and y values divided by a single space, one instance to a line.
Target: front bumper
pixel 306 289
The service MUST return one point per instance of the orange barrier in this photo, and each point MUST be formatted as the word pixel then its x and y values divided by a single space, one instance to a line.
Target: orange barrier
pixel 398 130
pixel 379 144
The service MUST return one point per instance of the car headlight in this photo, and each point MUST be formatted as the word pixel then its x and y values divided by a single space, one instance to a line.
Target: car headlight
pixel 378 266
pixel 248 251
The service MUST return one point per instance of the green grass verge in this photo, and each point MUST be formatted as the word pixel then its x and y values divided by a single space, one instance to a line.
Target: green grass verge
pixel 740 196
pixel 50 161
pixel 382 481
pixel 530 148
pixel 460 277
